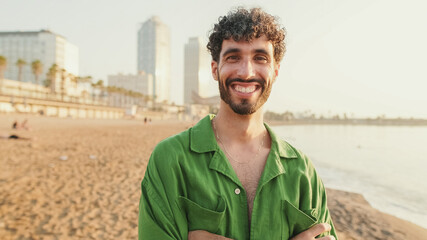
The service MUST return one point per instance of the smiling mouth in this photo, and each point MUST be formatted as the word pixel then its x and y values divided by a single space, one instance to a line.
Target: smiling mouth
pixel 241 89
pixel 245 87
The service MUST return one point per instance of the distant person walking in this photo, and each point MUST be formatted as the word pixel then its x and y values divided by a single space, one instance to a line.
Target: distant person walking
pixel 15 124
pixel 24 125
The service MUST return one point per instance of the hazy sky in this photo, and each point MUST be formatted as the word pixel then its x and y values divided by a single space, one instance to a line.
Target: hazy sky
pixel 366 57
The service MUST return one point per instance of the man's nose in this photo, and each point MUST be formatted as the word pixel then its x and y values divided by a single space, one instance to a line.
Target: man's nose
pixel 246 70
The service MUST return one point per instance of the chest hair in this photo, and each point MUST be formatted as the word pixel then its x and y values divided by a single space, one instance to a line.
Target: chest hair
pixel 249 175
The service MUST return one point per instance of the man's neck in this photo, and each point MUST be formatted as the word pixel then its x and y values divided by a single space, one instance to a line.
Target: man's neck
pixel 237 127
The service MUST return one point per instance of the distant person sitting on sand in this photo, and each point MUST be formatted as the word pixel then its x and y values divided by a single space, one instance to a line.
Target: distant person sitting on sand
pixel 230 176
pixel 13 136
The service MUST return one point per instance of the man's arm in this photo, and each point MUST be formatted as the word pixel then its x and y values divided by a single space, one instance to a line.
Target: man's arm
pixel 317 200
pixel 154 221
pixel 159 214
pixel 205 235
pixel 309 234
pixel 313 232
pixel 325 216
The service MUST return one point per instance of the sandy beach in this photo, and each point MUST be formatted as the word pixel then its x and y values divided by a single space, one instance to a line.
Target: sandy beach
pixel 80 179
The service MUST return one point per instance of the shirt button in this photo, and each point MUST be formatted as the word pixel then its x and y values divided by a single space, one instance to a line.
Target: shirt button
pixel 237 191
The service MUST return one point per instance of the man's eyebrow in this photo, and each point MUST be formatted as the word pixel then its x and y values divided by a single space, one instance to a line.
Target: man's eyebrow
pixel 261 51
pixel 236 50
pixel 231 50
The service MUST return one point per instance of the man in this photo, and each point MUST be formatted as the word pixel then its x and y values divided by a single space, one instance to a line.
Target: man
pixel 229 176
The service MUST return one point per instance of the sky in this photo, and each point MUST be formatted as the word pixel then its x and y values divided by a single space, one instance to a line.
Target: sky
pixel 361 57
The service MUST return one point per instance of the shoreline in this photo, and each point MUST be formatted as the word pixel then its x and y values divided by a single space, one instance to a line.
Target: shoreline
pixel 80 178
pixel 353 122
pixel 366 222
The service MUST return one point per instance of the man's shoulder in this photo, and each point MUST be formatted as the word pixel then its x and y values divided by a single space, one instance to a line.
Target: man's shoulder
pixel 293 154
pixel 167 153
pixel 196 138
pixel 290 148
pixel 285 149
pixel 177 142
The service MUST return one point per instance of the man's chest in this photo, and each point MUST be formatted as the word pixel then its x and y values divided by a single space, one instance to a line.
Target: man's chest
pixel 249 175
pixel 219 202
pixel 232 198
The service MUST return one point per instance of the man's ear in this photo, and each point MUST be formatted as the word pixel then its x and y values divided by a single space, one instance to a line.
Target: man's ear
pixel 214 69
pixel 276 70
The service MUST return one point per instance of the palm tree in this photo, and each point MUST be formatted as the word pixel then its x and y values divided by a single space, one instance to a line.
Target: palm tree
pixel 87 79
pixel 3 65
pixel 37 68
pixel 111 93
pixel 74 79
pixel 101 87
pixel 63 77
pixel 93 85
pixel 20 63
pixel 77 79
pixel 98 85
pixel 51 76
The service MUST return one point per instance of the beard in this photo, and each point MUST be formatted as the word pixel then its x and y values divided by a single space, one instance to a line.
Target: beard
pixel 244 106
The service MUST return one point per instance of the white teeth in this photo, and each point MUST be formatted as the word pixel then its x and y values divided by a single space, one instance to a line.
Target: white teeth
pixel 245 89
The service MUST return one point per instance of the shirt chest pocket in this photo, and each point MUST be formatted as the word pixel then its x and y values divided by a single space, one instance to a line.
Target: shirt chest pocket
pixel 201 218
pixel 297 220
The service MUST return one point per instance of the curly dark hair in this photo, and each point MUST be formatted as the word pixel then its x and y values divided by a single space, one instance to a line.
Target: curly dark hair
pixel 243 24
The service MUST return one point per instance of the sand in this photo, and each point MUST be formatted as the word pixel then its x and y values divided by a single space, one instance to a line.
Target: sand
pixel 80 179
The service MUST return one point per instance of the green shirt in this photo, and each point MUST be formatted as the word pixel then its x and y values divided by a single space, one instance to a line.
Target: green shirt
pixel 190 185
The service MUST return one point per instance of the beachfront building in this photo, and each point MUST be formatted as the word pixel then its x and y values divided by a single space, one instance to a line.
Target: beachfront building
pixel 46 46
pixel 142 82
pixel 27 97
pixel 198 81
pixel 154 56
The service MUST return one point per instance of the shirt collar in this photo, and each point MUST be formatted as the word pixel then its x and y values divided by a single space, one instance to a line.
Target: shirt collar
pixel 285 150
pixel 202 139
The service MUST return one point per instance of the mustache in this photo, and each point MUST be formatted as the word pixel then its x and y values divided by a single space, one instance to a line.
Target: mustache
pixel 229 81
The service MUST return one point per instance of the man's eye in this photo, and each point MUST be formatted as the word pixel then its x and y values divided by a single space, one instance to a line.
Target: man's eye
pixel 261 59
pixel 232 58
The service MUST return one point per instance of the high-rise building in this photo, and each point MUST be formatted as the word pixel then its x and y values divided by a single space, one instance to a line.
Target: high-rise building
pixel 142 83
pixel 154 56
pixel 44 45
pixel 197 74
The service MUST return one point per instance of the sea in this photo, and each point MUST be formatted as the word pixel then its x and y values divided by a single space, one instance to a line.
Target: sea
pixel 386 164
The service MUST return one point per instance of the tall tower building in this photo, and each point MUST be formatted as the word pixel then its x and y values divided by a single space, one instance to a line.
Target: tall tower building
pixel 154 56
pixel 197 74
pixel 46 46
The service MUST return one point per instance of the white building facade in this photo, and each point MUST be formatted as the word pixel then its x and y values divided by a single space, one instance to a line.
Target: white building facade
pixel 154 56
pixel 197 74
pixel 44 45
pixel 142 83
